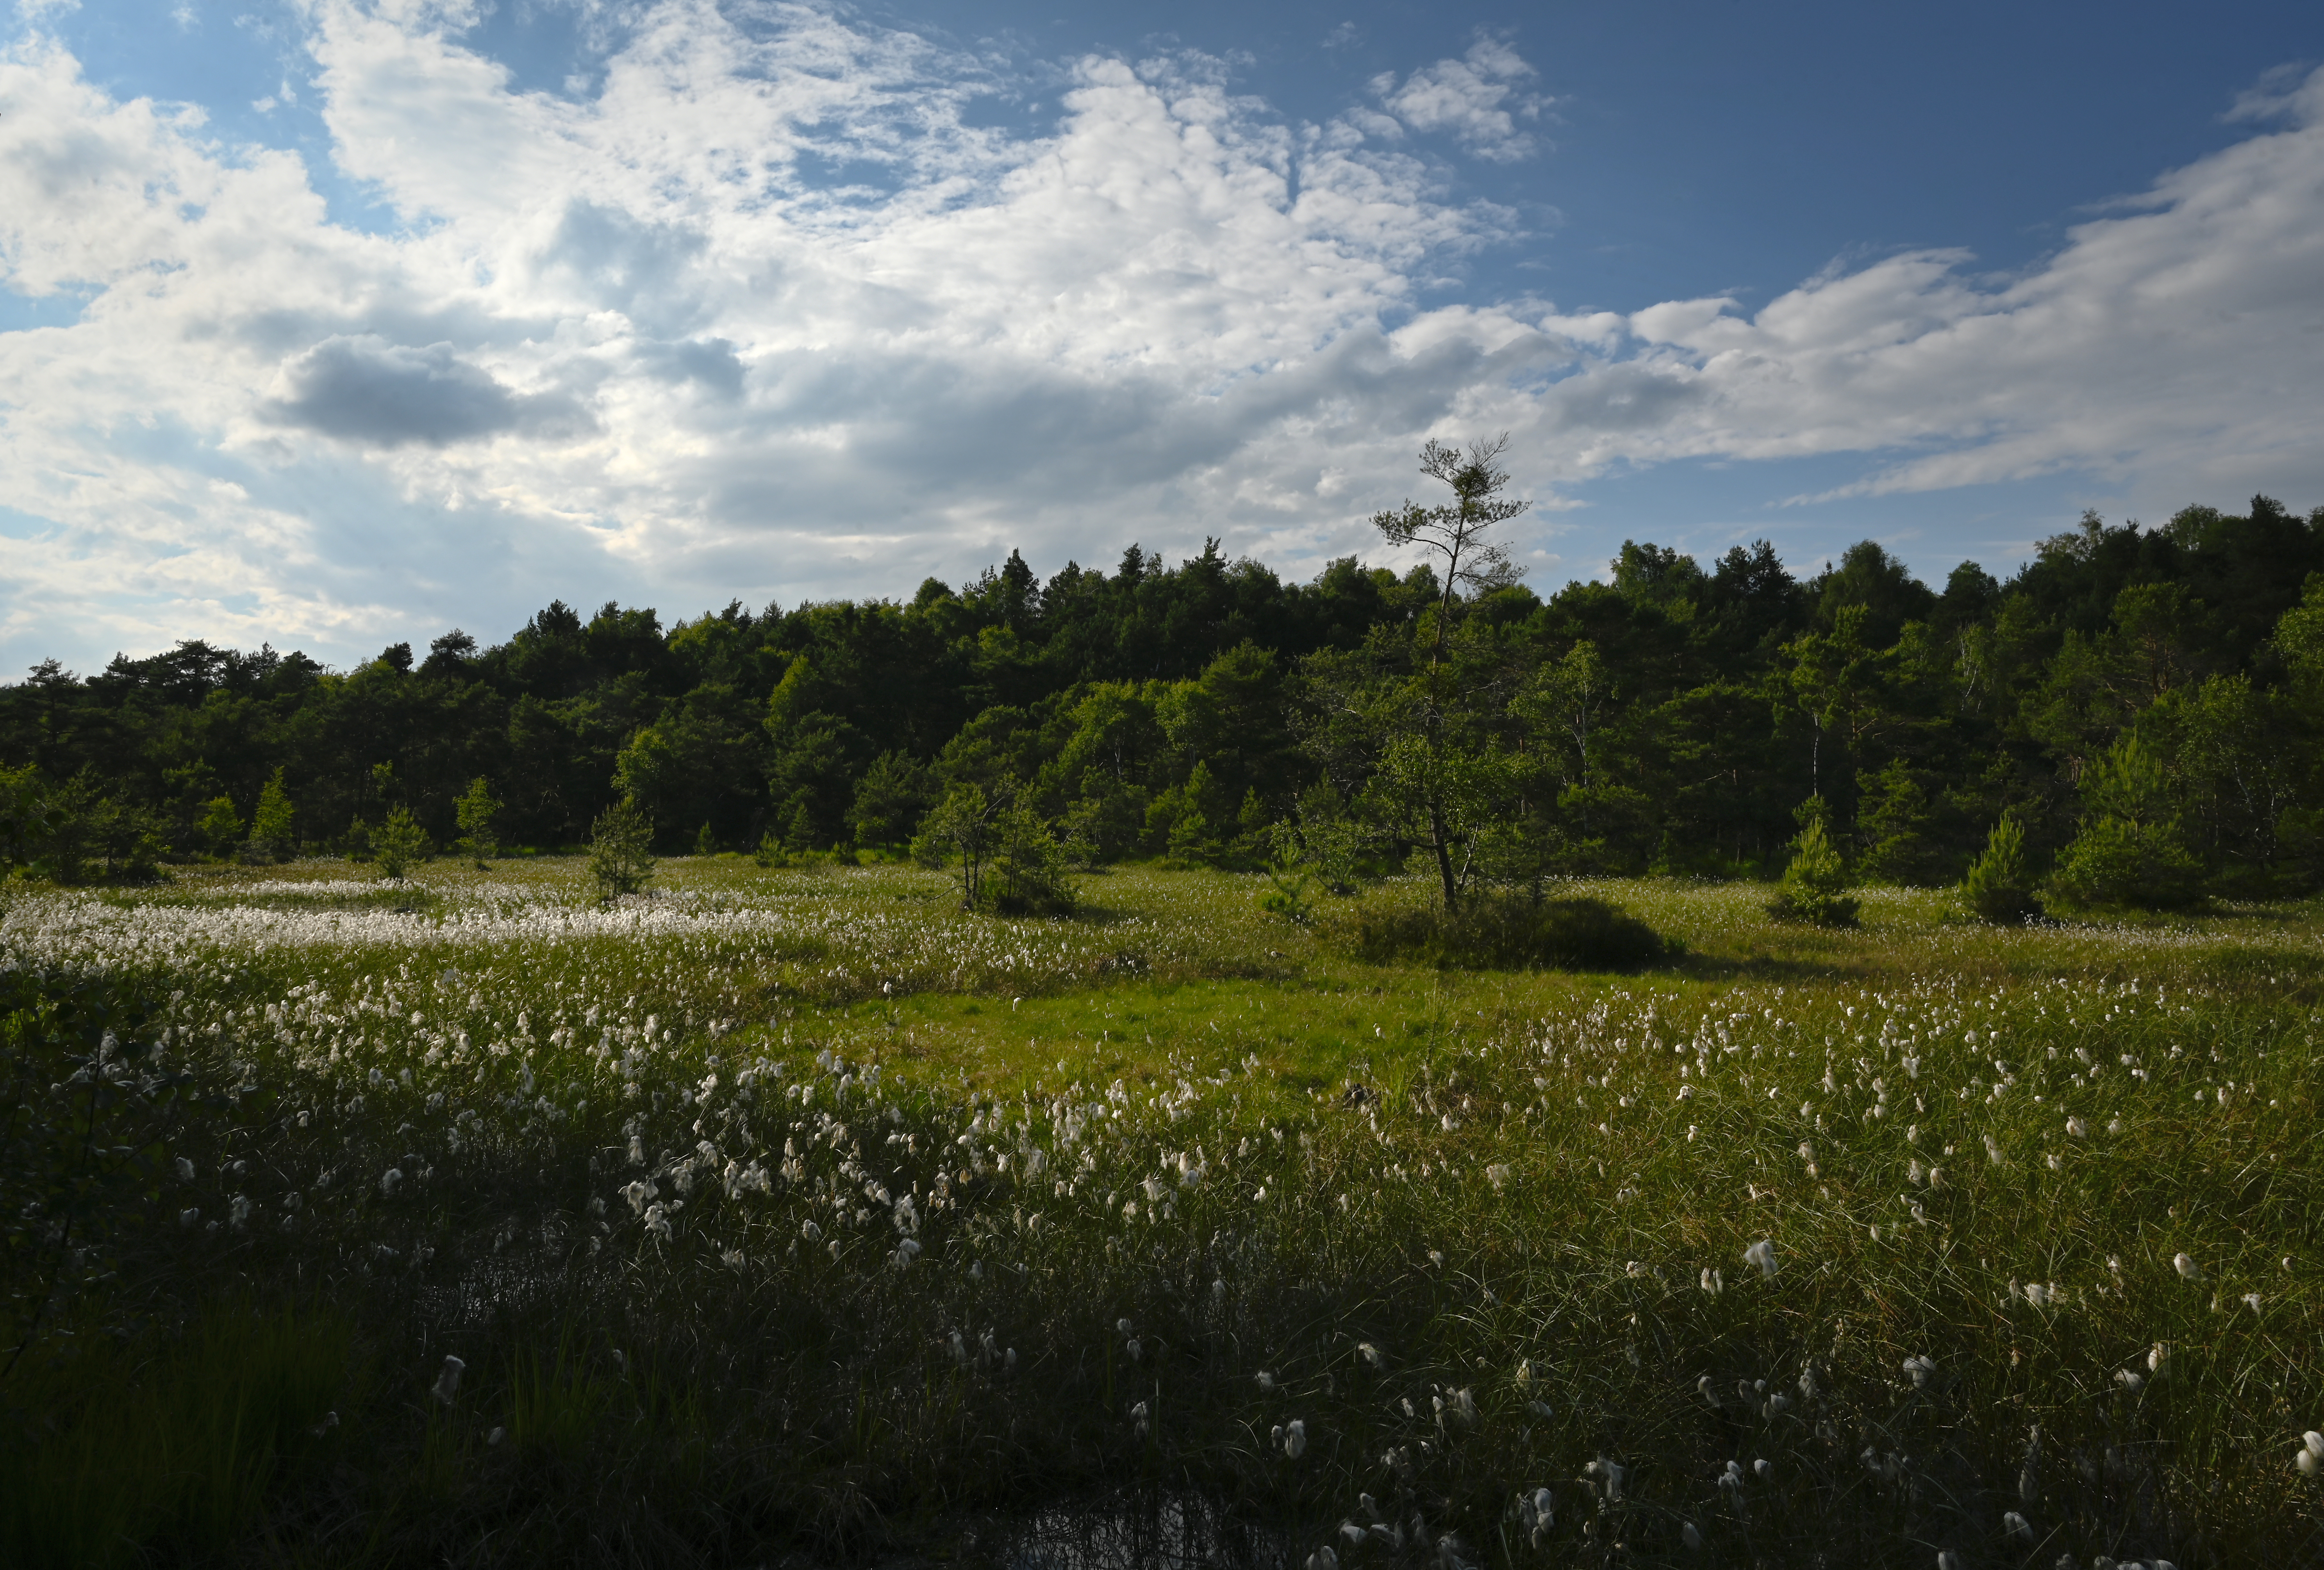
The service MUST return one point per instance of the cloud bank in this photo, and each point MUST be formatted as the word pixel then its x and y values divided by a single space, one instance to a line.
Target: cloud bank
pixel 768 315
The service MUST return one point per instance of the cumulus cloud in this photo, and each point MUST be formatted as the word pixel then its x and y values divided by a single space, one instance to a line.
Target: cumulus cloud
pixel 645 341
pixel 1476 98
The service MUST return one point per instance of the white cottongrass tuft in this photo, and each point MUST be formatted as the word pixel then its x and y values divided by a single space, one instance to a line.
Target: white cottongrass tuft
pixel 1922 1370
pixel 496 1435
pixel 1689 1536
pixel 2016 1527
pixel 447 1388
pixel 2186 1266
pixel 1324 1559
pixel 1536 1515
pixel 1762 1254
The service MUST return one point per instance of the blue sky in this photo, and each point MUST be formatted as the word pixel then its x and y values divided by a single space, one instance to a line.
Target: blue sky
pixel 338 323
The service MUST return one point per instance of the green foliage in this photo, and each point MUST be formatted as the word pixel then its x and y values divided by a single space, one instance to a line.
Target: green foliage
pixel 75 831
pixel 1498 931
pixel 1815 883
pixel 83 1152
pixel 400 843
pixel 1028 873
pixel 1291 881
pixel 170 1443
pixel 620 852
pixel 219 826
pixel 476 811
pixel 1668 717
pixel 1999 886
pixel 1004 856
pixel 274 832
pixel 27 820
pixel 890 797
pixel 961 832
pixel 2130 850
pixel 2115 861
pixel 1896 825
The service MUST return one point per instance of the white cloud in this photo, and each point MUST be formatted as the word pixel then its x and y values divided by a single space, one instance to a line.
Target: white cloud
pixel 2177 341
pixel 1476 98
pixel 766 316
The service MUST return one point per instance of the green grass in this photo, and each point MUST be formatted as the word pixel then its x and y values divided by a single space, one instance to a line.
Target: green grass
pixel 1534 1187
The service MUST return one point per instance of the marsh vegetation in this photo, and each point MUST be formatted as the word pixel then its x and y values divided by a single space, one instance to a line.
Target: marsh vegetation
pixel 798 1212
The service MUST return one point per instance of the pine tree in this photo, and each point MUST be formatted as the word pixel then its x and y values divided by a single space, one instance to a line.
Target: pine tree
pixel 273 832
pixel 1814 886
pixel 399 843
pixel 1998 888
pixel 475 811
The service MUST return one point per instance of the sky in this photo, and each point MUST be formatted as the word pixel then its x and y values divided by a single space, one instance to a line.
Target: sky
pixel 337 323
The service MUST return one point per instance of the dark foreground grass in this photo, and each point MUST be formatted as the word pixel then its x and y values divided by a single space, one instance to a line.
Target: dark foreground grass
pixel 751 1243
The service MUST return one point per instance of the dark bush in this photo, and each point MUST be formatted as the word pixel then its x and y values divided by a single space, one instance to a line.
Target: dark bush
pixel 1500 932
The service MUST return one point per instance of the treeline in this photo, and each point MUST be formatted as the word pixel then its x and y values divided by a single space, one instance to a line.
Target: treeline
pixel 2168 682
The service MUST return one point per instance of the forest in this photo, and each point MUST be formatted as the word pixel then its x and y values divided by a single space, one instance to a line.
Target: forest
pixel 2155 696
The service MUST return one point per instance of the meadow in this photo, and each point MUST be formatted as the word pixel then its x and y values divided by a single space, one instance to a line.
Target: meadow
pixel 794 1215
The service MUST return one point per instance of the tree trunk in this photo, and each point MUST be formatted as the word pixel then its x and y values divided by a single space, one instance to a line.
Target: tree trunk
pixel 1443 854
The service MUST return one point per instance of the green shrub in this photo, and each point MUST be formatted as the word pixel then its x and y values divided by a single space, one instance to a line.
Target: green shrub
pixel 475 811
pixel 2114 861
pixel 1998 888
pixel 1814 886
pixel 400 843
pixel 2130 850
pixel 273 835
pixel 1498 931
pixel 1029 867
pixel 219 826
pixel 621 851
